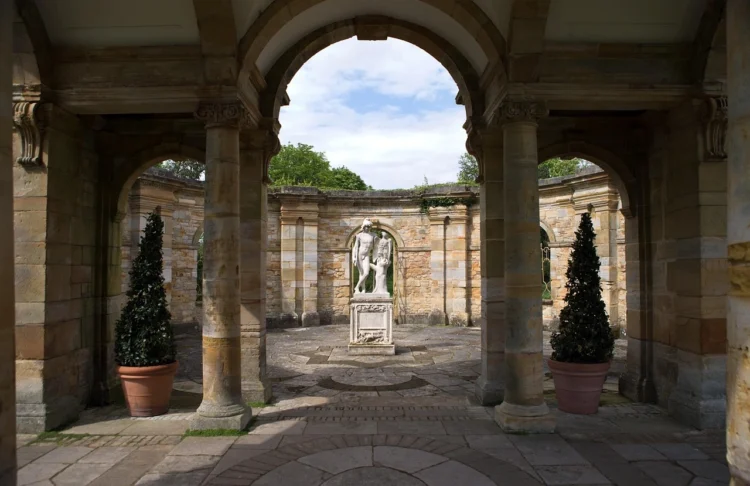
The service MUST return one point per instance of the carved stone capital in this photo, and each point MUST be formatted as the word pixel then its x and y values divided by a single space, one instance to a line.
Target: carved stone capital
pixel 714 117
pixel 513 111
pixel 29 120
pixel 264 139
pixel 223 114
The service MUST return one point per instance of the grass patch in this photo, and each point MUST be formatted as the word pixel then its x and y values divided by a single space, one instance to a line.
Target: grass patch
pixel 257 404
pixel 57 437
pixel 215 433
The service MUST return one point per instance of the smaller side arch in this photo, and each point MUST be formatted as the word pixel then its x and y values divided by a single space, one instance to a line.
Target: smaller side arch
pixel 547 229
pixel 614 166
pixel 376 225
pixel 132 167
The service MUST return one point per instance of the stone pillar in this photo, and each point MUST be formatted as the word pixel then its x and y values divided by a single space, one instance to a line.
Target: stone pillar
pixel 222 406
pixel 7 320
pixel 289 310
pixel 488 145
pixel 457 266
pixel 738 240
pixel 259 147
pixel 299 259
pixel 523 408
pixel 438 224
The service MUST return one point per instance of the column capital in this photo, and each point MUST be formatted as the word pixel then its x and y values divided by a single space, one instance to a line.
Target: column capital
pixel 223 114
pixel 479 139
pixel 520 110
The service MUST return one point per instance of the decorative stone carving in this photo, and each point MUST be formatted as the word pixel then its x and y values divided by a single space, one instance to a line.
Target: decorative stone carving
pixel 218 114
pixel 30 123
pixel 511 111
pixel 715 128
pixel 371 325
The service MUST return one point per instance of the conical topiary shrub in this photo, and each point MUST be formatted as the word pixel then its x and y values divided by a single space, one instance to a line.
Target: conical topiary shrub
pixel 584 335
pixel 582 346
pixel 144 341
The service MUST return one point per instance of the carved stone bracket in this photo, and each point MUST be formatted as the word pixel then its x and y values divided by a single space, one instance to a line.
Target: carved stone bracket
pixel 519 110
pixel 264 138
pixel 29 121
pixel 715 128
pixel 223 114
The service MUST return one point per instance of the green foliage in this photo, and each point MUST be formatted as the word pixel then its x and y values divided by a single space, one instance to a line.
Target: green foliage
pixel 558 167
pixel 143 334
pixel 189 169
pixel 257 404
pixel 445 202
pixel 215 432
pixel 468 169
pixel 57 437
pixel 300 165
pixel 584 335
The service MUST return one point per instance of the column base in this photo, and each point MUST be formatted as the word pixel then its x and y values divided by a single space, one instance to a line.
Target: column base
pixel 257 391
pixel 231 422
pixel 488 392
pixel 519 419
pixel 310 319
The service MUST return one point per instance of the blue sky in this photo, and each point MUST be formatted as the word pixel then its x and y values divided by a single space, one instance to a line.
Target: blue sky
pixel 385 109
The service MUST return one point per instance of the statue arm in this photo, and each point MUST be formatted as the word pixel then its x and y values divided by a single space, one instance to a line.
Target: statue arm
pixel 355 249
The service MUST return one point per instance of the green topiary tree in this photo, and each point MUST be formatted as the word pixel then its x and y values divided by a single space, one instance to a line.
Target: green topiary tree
pixel 584 335
pixel 143 334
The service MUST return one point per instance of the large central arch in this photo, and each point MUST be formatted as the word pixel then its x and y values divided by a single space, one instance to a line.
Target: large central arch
pixel 286 66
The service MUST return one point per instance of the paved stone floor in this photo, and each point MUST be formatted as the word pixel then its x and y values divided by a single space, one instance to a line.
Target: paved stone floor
pixel 404 420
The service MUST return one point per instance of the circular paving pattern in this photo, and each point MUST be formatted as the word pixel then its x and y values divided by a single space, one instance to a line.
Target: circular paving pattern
pixel 405 384
pixel 373 460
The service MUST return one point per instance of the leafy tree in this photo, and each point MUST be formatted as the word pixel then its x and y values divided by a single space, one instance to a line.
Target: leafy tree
pixel 558 167
pixel 584 335
pixel 468 169
pixel 189 169
pixel 143 334
pixel 343 178
pixel 300 165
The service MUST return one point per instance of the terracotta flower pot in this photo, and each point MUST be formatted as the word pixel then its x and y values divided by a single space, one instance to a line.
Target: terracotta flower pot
pixel 578 386
pixel 147 389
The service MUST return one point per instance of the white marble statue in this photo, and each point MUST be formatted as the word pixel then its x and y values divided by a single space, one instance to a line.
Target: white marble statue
pixel 383 252
pixel 363 244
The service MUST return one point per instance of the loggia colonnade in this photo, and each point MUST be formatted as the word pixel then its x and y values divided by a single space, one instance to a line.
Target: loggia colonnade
pixel 82 131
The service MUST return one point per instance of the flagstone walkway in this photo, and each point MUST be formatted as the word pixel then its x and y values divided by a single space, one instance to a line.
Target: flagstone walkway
pixel 407 420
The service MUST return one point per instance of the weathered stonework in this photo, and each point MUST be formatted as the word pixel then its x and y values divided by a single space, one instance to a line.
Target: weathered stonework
pixel 436 248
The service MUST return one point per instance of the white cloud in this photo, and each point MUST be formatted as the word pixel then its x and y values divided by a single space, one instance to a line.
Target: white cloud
pixel 389 147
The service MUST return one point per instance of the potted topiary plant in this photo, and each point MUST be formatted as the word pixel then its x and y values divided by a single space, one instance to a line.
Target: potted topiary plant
pixel 582 346
pixel 144 343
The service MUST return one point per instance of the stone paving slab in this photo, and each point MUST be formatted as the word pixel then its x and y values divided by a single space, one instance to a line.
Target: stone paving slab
pixel 433 434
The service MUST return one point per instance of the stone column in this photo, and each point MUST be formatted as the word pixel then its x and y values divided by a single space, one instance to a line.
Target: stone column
pixel 289 310
pixel 222 406
pixel 738 240
pixel 7 311
pixel 310 316
pixel 260 146
pixel 488 145
pixel 523 408
pixel 438 224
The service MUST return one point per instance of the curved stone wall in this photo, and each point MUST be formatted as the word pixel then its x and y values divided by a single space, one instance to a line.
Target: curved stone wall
pixel 436 263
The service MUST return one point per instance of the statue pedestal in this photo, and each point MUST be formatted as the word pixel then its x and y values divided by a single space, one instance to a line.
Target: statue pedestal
pixel 371 325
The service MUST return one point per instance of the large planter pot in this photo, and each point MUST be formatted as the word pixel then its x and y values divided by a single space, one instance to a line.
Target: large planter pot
pixel 147 389
pixel 578 386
